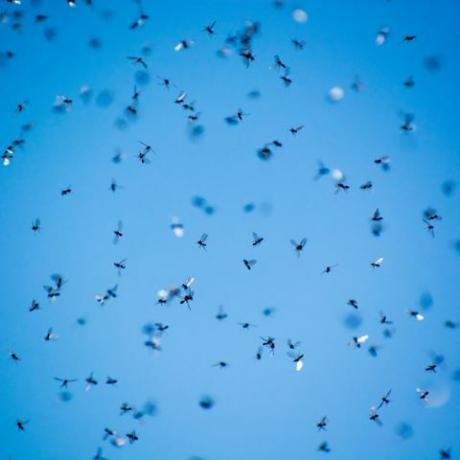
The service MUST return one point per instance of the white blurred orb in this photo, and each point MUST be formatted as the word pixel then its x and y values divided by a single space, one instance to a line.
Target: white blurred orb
pixel 336 93
pixel 300 16
pixel 439 395
pixel 337 174
pixel 177 227
pixel 179 232
pixel 163 294
pixel 380 39
pixel 382 36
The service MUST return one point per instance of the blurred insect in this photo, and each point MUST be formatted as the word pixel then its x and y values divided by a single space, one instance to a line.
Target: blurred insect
pixel 269 343
pixel 21 424
pixel 65 381
pixel 377 217
pixel 384 162
pixel 299 246
pixel 353 303
pixel 34 305
pixel 286 79
pixel 295 130
pixel 109 294
pixel 114 186
pixel 324 447
pixel 14 356
pixel 293 345
pixel 247 56
pixel 451 324
pixel 90 382
pixel 98 455
pixel 298 44
pixel 373 350
pixel 429 227
pixel 132 436
pixel 385 399
pixel 120 266
pixel 297 358
pixel 188 297
pixel 221 315
pixel 62 104
pixel 206 402
pixel 259 353
pixel 431 368
pixel 256 239
pixel 22 106
pixel 137 60
pixel 184 45
pixel 377 263
pixel 374 416
pixel 409 83
pixel 210 28
pixel 321 425
pixel 383 319
pixel 181 98
pixel 236 118
pixel 249 263
pixel 166 82
pixel 417 315
pixel 188 283
pixel 341 186
pixel 220 364
pixel 118 232
pixel 278 64
pixel 36 225
pixel 357 85
pixel 445 454
pixel 154 343
pixel 329 268
pixel 408 125
pixel 322 170
pixel 246 325
pixel 359 341
pixel 53 292
pixel 202 241
pixel 142 157
pixel 139 22
pixel 50 335
pixel 423 394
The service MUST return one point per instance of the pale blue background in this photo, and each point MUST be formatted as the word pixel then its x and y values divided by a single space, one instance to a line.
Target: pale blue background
pixel 264 410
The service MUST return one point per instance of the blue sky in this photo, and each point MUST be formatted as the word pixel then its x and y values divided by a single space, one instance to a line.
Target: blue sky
pixel 263 409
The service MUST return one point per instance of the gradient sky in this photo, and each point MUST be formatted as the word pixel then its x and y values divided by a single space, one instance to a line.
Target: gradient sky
pixel 263 409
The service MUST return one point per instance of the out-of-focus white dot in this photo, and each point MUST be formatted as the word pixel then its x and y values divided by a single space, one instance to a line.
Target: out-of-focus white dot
pixel 6 161
pixel 179 232
pixel 337 174
pixel 162 293
pixel 382 36
pixel 300 16
pixel 177 227
pixel 118 441
pixel 336 93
